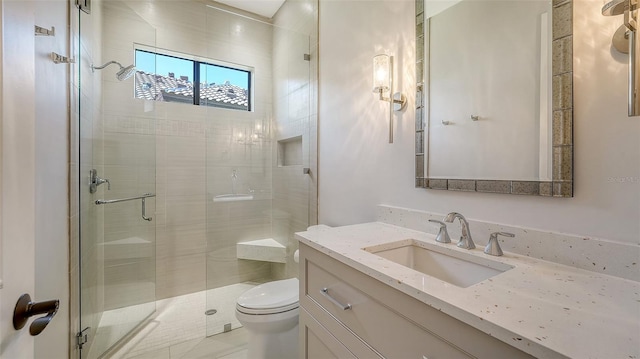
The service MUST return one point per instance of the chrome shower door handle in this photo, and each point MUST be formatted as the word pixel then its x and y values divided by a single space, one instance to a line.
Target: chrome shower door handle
pixel 325 292
pixel 143 198
pixel 144 210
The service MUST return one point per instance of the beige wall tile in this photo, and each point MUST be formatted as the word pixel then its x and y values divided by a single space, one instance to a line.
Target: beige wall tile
pixel 223 268
pixel 179 240
pixel 195 148
pixel 180 275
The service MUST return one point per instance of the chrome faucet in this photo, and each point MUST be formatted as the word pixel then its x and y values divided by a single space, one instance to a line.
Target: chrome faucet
pixel 465 239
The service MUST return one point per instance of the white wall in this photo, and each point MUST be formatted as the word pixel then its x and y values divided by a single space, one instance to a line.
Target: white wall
pixel 34 189
pixel 360 170
pixel 17 210
pixel 52 181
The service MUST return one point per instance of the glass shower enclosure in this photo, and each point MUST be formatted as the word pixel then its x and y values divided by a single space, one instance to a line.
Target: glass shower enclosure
pixel 185 190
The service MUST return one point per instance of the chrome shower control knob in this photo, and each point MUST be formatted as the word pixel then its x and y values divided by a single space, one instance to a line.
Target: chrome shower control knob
pixel 443 235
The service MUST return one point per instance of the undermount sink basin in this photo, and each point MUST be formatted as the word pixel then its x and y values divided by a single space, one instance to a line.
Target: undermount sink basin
pixel 454 267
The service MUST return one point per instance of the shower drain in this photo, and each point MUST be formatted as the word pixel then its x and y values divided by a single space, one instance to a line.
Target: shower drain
pixel 211 312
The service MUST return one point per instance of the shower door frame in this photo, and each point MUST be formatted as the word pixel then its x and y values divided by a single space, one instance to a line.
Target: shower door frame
pixel 111 248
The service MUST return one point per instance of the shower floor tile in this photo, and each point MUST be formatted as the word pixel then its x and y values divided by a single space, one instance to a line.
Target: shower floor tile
pixel 180 326
pixel 115 324
pixel 156 354
pixel 229 345
pixel 224 301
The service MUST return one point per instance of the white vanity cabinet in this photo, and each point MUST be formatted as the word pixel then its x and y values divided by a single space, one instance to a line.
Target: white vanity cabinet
pixel 347 314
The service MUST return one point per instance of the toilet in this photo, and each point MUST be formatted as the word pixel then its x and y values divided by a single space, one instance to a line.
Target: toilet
pixel 270 312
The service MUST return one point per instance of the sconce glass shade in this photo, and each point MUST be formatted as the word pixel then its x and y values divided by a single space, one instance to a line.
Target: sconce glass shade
pixel 381 73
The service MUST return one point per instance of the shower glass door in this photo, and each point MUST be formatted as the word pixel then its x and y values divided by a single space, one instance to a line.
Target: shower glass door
pixel 258 191
pixel 117 184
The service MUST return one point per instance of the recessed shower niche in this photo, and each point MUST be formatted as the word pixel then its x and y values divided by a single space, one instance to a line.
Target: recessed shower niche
pixel 290 152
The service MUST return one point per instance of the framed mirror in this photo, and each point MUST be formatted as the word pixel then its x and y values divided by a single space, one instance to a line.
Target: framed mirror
pixel 494 101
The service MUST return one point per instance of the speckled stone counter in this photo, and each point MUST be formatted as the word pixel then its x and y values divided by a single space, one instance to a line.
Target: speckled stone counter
pixel 543 308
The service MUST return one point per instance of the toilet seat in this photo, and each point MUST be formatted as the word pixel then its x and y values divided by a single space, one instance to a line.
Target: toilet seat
pixel 270 298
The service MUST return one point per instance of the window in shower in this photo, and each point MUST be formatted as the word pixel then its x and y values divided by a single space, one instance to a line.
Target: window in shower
pixel 173 78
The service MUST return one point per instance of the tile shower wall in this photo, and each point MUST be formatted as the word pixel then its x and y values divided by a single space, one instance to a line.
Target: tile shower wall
pixel 295 118
pixel 231 222
pixel 281 194
pixel 190 139
pixel 198 148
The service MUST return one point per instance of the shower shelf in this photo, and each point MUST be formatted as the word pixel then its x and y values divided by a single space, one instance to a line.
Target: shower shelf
pixel 267 250
pixel 127 248
pixel 233 197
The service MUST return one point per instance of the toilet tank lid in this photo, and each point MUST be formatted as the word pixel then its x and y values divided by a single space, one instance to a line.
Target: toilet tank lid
pixel 271 295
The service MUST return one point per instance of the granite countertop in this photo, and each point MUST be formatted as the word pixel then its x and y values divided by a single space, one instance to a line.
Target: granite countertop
pixel 543 308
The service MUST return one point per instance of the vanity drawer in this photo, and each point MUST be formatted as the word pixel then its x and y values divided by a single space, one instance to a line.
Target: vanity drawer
pixel 386 331
pixel 356 346
pixel 318 343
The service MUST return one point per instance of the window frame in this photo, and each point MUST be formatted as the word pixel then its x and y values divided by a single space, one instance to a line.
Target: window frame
pixel 197 61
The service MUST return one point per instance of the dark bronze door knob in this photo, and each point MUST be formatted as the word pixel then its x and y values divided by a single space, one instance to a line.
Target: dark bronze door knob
pixel 25 308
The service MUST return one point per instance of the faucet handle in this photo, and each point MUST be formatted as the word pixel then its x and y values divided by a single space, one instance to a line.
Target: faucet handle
pixel 443 235
pixel 95 181
pixel 493 247
pixel 104 180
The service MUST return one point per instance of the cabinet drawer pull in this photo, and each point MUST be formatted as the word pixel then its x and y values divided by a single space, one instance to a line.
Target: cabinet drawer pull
pixel 325 292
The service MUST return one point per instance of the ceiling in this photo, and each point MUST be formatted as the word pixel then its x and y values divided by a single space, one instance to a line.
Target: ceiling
pixel 265 8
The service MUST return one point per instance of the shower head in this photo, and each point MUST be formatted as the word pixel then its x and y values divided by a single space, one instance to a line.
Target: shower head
pixel 125 72
pixel 122 74
pixel 615 7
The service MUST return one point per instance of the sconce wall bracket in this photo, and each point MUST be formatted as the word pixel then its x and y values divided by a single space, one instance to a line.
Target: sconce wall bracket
pixel 399 101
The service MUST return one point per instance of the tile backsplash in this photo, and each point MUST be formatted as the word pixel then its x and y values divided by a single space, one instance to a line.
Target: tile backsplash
pixel 593 254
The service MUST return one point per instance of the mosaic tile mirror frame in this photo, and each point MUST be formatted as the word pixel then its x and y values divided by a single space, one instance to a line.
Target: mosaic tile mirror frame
pixel 561 183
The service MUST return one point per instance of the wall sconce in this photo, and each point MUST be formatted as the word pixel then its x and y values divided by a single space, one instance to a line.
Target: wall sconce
pixel 383 84
pixel 626 41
